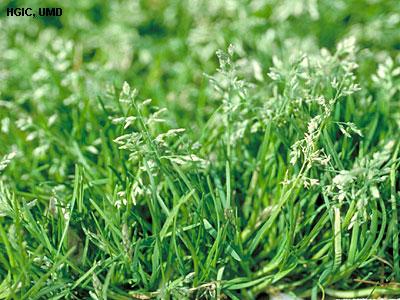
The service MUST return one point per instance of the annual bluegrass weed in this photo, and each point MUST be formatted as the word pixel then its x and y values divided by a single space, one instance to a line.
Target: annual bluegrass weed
pixel 200 150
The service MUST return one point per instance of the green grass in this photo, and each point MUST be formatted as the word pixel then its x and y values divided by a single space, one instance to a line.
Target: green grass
pixel 200 150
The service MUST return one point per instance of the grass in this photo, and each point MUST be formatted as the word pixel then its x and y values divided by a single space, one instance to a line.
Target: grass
pixel 200 150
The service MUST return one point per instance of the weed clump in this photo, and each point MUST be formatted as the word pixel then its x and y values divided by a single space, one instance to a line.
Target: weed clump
pixel 202 150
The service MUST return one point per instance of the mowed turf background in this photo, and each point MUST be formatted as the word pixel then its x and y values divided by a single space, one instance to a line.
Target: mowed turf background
pixel 200 150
